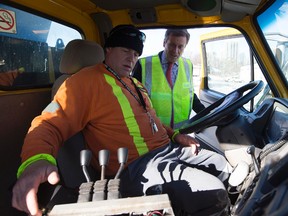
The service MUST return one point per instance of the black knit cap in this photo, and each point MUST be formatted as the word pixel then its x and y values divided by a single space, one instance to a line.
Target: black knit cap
pixel 127 36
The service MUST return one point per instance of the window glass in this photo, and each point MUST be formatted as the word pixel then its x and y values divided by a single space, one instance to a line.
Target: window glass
pixel 272 23
pixel 230 63
pixel 30 48
pixel 232 66
pixel 222 52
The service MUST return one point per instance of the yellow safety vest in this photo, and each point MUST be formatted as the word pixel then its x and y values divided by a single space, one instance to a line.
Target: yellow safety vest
pixel 163 98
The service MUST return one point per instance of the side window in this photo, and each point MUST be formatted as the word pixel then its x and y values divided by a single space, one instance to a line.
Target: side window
pixel 271 25
pixel 30 49
pixel 224 55
pixel 229 63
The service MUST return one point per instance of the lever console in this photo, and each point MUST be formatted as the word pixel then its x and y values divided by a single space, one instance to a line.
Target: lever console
pixel 102 197
pixel 102 189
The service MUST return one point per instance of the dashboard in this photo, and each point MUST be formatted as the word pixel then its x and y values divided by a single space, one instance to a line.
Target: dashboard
pixel 265 190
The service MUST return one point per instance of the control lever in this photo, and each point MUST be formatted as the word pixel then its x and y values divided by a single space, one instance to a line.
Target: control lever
pixel 103 157
pixel 251 151
pixel 122 154
pixel 114 184
pixel 85 190
pixel 100 186
pixel 85 158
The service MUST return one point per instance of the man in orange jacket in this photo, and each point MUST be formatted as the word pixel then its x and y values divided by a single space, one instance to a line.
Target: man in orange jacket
pixel 113 110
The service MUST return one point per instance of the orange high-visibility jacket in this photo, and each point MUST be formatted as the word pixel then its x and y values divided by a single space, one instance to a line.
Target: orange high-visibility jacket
pixel 95 102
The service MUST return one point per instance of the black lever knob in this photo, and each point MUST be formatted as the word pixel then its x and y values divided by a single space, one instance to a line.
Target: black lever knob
pixel 251 151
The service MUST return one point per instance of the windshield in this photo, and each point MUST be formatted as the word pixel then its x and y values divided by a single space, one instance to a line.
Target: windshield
pixel 272 23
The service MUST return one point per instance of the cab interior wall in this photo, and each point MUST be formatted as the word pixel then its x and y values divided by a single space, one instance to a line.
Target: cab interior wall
pixel 17 112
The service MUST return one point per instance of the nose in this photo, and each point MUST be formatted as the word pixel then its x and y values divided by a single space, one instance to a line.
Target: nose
pixel 132 56
pixel 177 49
pixel 174 49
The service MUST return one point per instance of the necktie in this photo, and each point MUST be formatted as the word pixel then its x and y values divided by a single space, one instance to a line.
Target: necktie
pixel 169 74
pixel 169 79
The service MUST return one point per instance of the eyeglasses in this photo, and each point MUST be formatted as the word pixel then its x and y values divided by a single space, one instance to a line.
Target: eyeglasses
pixel 121 29
pixel 140 35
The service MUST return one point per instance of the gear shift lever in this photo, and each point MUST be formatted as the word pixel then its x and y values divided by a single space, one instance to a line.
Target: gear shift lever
pixel 251 151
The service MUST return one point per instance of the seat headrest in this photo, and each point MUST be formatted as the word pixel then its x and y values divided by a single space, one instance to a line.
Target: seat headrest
pixel 80 53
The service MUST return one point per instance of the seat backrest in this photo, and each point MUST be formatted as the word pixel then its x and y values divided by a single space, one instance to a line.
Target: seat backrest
pixel 77 55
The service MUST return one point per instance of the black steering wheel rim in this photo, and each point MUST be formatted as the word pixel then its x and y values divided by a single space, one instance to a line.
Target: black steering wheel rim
pixel 206 119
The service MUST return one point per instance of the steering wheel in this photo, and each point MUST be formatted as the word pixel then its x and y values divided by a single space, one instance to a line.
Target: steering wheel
pixel 212 114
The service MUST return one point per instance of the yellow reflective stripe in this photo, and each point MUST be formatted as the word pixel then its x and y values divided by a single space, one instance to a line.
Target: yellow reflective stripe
pixel 127 111
pixel 33 159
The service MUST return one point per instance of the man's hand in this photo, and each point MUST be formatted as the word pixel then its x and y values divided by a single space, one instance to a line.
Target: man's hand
pixel 186 140
pixel 26 188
